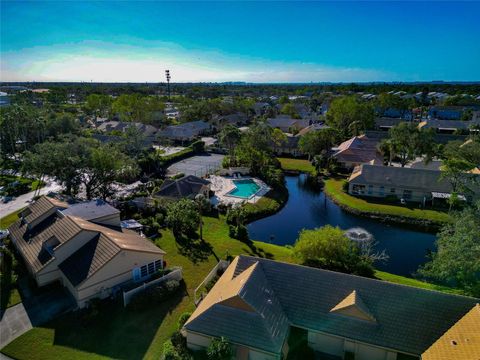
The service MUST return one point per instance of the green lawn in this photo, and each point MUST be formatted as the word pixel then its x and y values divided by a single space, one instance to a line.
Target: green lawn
pixel 297 165
pixel 397 279
pixel 334 188
pixel 127 334
pixel 8 220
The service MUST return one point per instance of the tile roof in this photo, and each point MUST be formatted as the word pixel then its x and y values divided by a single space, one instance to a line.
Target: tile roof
pixel 41 206
pixel 247 300
pixel 353 305
pixel 186 186
pixel 358 149
pixel 460 342
pixel 408 319
pixel 30 243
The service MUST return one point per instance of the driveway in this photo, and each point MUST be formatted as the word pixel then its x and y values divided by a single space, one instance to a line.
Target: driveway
pixel 14 323
pixel 24 200
pixel 36 309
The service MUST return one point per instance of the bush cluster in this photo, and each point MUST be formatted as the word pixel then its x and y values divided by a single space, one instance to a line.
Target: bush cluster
pixel 154 294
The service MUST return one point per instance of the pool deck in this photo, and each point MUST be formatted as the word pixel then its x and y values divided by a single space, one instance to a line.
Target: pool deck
pixel 222 185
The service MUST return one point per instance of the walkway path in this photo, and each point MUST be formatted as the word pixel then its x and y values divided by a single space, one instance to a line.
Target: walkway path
pixel 14 322
pixel 24 200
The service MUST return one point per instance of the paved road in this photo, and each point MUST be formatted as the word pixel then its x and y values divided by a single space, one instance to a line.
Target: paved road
pixel 23 200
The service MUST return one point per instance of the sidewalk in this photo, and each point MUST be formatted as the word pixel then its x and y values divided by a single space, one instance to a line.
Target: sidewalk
pixel 15 322
pixel 24 200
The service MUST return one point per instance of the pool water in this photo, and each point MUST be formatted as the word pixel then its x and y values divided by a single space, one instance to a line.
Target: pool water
pixel 244 188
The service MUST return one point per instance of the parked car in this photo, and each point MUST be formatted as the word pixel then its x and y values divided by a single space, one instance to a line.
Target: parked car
pixel 4 234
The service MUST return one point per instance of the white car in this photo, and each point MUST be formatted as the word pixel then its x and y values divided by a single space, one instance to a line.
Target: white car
pixel 4 234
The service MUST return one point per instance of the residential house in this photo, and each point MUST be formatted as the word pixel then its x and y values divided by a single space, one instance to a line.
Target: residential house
pixel 291 146
pixel 386 123
pixel 461 341
pixel 449 126
pixel 358 150
pixel 122 126
pixel 238 119
pixel 446 112
pixel 258 303
pixel 186 187
pixel 261 108
pixel 288 124
pixel 411 184
pixel 185 132
pixel 92 260
pixel 97 211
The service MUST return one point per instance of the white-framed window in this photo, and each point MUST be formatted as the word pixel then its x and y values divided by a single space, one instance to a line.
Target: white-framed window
pixel 142 272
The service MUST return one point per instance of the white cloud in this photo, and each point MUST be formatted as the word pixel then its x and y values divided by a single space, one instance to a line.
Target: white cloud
pixel 147 61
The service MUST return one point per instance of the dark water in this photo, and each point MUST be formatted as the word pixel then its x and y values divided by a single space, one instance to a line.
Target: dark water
pixel 308 208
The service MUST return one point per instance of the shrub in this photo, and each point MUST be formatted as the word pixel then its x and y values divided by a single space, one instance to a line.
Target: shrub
pixel 198 146
pixel 156 293
pixel 169 352
pixel 219 349
pixel 345 186
pixel 183 319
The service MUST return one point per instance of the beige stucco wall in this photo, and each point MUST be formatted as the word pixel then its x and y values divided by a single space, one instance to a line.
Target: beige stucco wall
pixel 198 342
pixel 118 270
pixel 335 345
pixel 376 191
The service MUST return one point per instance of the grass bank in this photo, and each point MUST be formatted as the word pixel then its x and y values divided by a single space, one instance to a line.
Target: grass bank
pixel 425 219
pixel 268 205
pixel 296 165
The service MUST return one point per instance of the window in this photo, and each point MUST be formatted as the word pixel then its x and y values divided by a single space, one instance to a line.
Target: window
pixel 382 190
pixel 358 189
pixel 407 194
pixel 147 270
pixel 370 189
pixel 392 190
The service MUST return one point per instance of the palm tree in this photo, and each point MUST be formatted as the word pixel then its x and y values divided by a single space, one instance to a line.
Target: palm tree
pixel 202 204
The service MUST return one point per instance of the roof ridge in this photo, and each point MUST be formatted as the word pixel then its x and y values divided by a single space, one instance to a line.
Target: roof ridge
pixel 364 278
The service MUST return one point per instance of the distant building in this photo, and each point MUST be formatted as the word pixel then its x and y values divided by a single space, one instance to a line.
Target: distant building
pixel 185 132
pixel 386 123
pixel 122 126
pixel 287 123
pixel 262 306
pixel 449 126
pixel 356 151
pixel 446 112
pixel 411 184
pixel 238 119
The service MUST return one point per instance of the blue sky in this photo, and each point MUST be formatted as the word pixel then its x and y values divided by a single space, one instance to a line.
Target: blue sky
pixel 240 41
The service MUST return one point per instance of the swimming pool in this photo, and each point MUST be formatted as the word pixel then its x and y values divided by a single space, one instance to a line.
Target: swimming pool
pixel 244 188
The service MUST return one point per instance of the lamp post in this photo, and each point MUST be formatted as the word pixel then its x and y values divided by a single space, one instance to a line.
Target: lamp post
pixel 167 74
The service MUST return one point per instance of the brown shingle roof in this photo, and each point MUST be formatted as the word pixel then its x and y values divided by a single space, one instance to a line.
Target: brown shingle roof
pixel 30 244
pixel 41 206
pixel 124 240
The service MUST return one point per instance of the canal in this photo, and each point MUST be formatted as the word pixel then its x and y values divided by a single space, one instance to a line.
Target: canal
pixel 309 208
